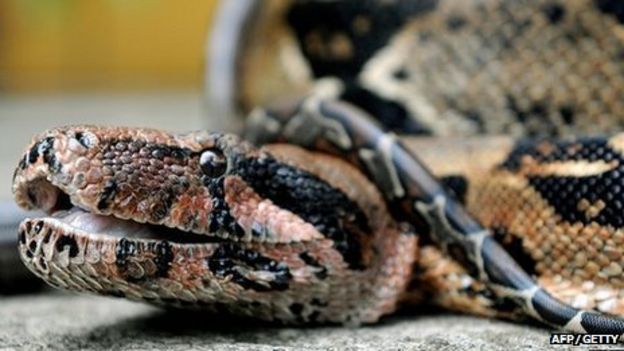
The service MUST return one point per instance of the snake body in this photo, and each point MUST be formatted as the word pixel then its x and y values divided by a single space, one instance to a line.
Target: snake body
pixel 356 226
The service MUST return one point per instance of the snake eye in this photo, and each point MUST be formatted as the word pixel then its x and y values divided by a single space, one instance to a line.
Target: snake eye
pixel 212 163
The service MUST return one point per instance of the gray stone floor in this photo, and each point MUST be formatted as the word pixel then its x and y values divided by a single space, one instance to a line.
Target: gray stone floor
pixel 64 321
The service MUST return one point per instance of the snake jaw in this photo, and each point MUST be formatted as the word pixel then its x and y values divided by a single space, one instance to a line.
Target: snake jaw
pixel 138 213
pixel 143 175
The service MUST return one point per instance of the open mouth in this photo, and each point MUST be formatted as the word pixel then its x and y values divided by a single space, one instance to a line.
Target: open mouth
pixel 60 209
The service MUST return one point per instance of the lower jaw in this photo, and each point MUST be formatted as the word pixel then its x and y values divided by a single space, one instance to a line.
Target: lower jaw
pixel 142 265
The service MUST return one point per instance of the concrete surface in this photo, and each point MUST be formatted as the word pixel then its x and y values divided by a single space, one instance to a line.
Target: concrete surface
pixel 64 321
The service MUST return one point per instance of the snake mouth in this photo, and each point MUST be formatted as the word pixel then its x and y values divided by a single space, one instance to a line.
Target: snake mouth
pixel 72 248
pixel 76 220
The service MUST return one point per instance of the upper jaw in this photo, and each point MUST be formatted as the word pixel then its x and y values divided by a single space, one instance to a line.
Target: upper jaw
pixel 129 173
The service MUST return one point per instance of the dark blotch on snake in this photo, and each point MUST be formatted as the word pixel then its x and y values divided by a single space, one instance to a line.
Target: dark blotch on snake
pixel 22 236
pixel 554 12
pixel 328 209
pixel 613 7
pixel 164 256
pixel 107 194
pixel 311 261
pixel 230 260
pixel 220 217
pixel 514 246
pixel 564 192
pixel 38 227
pixel 325 20
pixel 22 163
pixel 32 246
pixel 124 249
pixel 67 241
pixel 82 139
pixel 44 148
pixel 296 309
pixel 457 186
pixel 390 113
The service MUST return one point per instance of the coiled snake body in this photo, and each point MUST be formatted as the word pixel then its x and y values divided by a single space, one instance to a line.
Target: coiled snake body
pixel 280 233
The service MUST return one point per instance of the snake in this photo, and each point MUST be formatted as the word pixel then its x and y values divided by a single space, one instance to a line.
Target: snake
pixel 505 202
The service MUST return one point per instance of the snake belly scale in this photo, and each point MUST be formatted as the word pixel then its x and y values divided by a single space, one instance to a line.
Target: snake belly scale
pixel 353 225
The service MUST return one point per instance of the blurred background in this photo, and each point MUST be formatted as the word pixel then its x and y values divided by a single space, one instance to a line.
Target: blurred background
pixel 138 63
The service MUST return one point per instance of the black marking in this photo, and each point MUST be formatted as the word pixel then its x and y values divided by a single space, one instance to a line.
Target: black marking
pixel 390 113
pixel 107 194
pixel 47 236
pixel 313 316
pixel 44 148
pixel 125 248
pixel 296 309
pixel 513 245
pixel 220 217
pixel 82 139
pixel 33 155
pixel 458 252
pixel 401 74
pixel 502 304
pixel 595 323
pixel 554 12
pixel 22 163
pixel 232 260
pixel 612 7
pixel 457 186
pixel 456 22
pixel 164 257
pixel 564 193
pixel 38 227
pixel 67 241
pixel 115 293
pixel 22 237
pixel 325 21
pixel 329 210
pixel 533 118
pixel 567 114
pixel 311 261
pixel 42 263
pixel 32 246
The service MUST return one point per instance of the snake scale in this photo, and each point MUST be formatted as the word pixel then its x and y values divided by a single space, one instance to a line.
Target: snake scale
pixel 354 225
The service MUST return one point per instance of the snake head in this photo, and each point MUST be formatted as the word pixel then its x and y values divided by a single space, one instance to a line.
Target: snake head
pixel 207 220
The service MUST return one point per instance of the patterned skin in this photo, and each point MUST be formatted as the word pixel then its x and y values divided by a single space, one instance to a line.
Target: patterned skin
pixel 206 220
pixel 354 263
